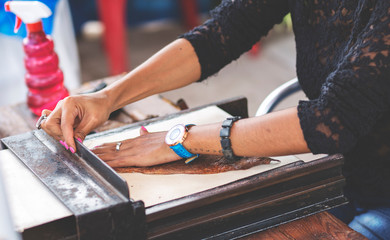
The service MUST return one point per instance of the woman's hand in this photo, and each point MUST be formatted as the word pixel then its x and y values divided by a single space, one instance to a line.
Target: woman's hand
pixel 75 117
pixel 146 150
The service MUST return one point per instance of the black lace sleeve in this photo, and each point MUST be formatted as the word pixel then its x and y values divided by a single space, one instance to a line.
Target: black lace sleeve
pixel 357 93
pixel 234 27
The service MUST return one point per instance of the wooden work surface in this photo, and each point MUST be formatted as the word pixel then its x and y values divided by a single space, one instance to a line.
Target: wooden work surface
pixel 16 119
pixel 318 226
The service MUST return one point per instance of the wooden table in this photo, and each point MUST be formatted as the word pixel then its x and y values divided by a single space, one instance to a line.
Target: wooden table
pixel 17 119
pixel 318 226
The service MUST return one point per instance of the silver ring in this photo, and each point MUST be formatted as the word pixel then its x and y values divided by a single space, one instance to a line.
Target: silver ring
pixel 41 118
pixel 118 145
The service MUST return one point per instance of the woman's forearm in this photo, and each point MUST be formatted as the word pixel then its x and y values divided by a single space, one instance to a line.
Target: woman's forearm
pixel 275 134
pixel 175 66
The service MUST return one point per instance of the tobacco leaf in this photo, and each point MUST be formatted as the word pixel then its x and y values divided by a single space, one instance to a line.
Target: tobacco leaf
pixel 204 164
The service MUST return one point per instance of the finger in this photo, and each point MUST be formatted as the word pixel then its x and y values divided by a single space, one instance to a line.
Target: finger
pixel 78 138
pixel 106 148
pixel 109 152
pixel 106 156
pixel 83 129
pixel 51 124
pixel 68 116
pixel 110 156
pixel 121 162
pixel 143 131
pixel 47 112
pixel 42 118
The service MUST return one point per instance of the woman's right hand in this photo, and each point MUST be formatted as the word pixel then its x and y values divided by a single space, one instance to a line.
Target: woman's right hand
pixel 75 117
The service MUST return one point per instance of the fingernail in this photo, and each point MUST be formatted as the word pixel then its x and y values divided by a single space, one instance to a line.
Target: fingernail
pixel 79 139
pixel 66 146
pixel 143 128
pixel 72 149
pixel 62 143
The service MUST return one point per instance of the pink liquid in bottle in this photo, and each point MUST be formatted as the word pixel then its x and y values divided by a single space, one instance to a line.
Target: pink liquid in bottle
pixel 44 79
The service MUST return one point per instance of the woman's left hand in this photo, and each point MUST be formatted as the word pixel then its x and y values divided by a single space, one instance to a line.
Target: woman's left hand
pixel 146 150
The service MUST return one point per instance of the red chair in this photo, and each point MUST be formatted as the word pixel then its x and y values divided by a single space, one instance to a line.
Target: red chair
pixel 113 15
pixel 190 15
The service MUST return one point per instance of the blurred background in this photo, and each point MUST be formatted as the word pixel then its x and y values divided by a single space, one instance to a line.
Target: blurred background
pixel 113 37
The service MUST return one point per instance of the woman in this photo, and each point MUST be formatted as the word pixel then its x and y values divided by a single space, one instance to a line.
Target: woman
pixel 342 65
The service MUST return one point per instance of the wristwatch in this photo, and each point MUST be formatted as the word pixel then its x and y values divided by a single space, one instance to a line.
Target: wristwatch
pixel 175 138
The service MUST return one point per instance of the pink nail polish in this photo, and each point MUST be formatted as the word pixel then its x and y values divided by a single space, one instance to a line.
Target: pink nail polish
pixel 72 149
pixel 79 139
pixel 66 146
pixel 143 128
pixel 62 143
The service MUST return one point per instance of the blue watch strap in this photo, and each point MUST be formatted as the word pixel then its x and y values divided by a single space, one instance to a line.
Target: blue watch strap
pixel 181 151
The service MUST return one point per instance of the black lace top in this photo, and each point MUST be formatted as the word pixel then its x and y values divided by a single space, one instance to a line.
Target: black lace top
pixel 343 68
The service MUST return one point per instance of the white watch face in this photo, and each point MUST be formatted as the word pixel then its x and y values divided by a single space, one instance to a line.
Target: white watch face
pixel 175 134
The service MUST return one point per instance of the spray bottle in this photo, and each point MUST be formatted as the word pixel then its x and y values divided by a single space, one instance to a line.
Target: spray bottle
pixel 44 79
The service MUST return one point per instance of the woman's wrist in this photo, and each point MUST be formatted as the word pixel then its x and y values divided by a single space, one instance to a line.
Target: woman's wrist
pixel 120 93
pixel 109 102
pixel 204 139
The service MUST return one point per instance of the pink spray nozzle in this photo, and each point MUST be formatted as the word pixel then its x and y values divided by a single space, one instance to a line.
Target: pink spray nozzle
pixel 29 12
pixel 18 21
pixel 7 7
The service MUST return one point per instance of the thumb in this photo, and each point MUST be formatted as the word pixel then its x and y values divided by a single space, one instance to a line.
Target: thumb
pixel 143 131
pixel 82 130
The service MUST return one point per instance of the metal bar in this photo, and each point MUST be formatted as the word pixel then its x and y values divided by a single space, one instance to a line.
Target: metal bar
pixel 277 95
pixel 74 181
pixel 103 169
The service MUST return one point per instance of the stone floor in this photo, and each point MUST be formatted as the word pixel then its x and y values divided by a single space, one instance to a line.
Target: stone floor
pixel 251 76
